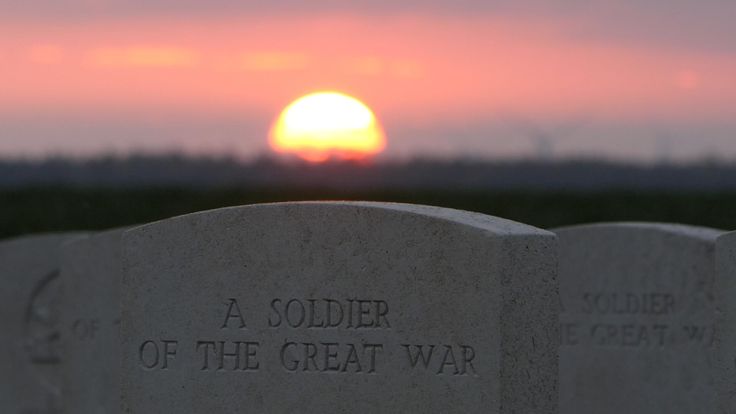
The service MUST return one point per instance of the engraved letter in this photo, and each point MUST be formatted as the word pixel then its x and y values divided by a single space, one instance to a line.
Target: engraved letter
pixel 142 350
pixel 382 312
pixel 294 363
pixel 662 332
pixel 352 359
pixel 301 313
pixel 587 303
pixel 271 322
pixel 350 312
pixel 669 301
pixel 310 354
pixel 312 315
pixel 85 329
pixel 205 354
pixel 330 356
pixel 222 354
pixel 364 310
pixel 338 307
pixel 414 357
pixel 697 334
pixel 251 349
pixel 151 363
pixel 372 349
pixel 233 311
pixel 169 352
pixel 448 359
pixel 468 356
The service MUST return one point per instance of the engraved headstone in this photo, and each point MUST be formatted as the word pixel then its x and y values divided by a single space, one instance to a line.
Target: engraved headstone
pixel 726 322
pixel 339 307
pixel 637 319
pixel 30 350
pixel 91 321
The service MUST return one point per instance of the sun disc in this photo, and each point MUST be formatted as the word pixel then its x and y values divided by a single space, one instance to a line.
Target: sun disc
pixel 325 125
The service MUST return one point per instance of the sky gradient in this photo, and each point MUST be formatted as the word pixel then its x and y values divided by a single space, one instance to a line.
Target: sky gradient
pixel 622 79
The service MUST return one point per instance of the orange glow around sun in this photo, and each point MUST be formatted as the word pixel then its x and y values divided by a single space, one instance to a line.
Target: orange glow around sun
pixel 325 125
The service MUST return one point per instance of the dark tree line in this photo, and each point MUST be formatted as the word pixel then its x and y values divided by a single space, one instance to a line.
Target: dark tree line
pixel 180 171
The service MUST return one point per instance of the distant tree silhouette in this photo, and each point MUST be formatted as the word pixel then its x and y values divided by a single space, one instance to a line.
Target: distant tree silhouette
pixel 265 172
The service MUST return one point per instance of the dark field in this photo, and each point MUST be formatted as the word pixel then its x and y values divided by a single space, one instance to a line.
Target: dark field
pixel 33 210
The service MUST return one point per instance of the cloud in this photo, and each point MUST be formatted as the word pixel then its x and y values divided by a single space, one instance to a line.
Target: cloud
pixel 272 61
pixel 38 135
pixel 436 61
pixel 429 67
pixel 672 23
pixel 144 56
pixel 46 54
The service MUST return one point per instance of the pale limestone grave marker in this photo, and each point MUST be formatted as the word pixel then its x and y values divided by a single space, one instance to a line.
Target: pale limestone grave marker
pixel 91 319
pixel 31 354
pixel 637 319
pixel 339 307
pixel 726 322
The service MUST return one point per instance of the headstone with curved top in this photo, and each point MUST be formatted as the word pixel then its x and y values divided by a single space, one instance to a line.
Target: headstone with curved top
pixel 725 289
pixel 91 321
pixel 637 319
pixel 31 354
pixel 339 307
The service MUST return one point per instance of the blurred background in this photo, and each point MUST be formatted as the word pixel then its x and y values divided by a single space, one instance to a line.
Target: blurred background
pixel 549 112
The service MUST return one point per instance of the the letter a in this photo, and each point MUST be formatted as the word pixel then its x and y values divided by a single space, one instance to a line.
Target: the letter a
pixel 233 311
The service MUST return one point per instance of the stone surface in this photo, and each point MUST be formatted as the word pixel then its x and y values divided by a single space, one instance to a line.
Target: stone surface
pixel 91 323
pixel 637 319
pixel 30 358
pixel 726 322
pixel 326 307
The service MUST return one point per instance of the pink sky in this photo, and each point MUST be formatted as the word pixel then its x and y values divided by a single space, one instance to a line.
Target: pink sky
pixel 443 84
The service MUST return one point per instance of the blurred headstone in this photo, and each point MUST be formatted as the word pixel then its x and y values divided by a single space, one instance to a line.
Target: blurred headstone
pixel 31 354
pixel 91 321
pixel 339 307
pixel 726 322
pixel 637 319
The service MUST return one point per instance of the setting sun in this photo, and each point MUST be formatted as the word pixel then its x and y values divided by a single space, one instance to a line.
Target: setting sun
pixel 325 125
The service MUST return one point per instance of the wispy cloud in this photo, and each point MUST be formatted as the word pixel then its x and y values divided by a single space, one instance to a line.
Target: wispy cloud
pixel 272 61
pixel 412 67
pixel 672 23
pixel 144 56
pixel 47 54
pixel 420 65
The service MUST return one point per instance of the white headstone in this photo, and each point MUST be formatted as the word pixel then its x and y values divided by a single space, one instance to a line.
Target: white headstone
pixel 339 307
pixel 30 354
pixel 637 319
pixel 91 322
pixel 726 322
